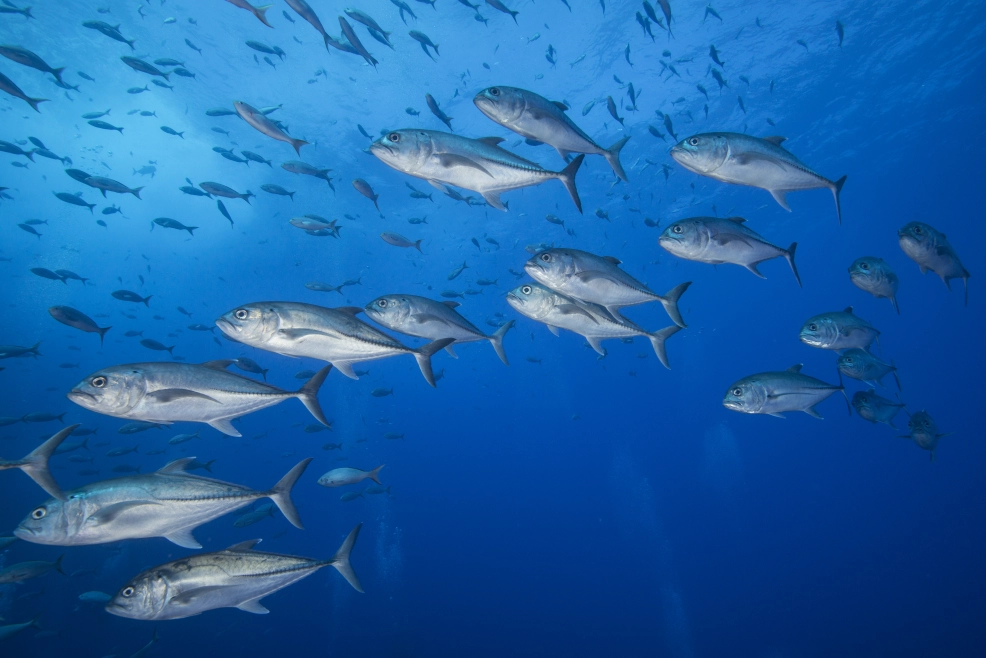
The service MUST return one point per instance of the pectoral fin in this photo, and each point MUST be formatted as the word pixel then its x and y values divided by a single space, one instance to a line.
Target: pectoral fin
pixel 572 309
pixel 553 329
pixel 183 538
pixel 295 334
pixel 111 512
pixel 452 160
pixel 174 394
pixel 186 598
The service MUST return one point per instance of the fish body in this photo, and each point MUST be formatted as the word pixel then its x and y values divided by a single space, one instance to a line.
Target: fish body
pixel 340 477
pixel 168 503
pixel 259 12
pixel 774 393
pixel 104 125
pixel 141 66
pixel 425 42
pixel 77 320
pixel 218 189
pixel 480 165
pixel 876 277
pixel 112 31
pixel 499 6
pixel 718 240
pixel 255 157
pixel 535 117
pixel 860 364
pixel 171 392
pixel 304 10
pixel 399 240
pixel 924 432
pixel 25 57
pixel 105 185
pixel 611 106
pixel 18 573
pixel 74 200
pixel 271 188
pixel 10 87
pixel 167 222
pixel 265 126
pixel 303 168
pixel 930 249
pixel 752 161
pixel 354 40
pixel 437 111
pixel 364 188
pixel 838 330
pixel 333 335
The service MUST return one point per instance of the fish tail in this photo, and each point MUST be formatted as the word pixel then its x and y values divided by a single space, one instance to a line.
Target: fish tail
pixel 612 155
pixel 375 474
pixel 190 229
pixel 893 302
pixel 30 154
pixel 33 102
pixel 842 387
pixel 58 73
pixel 34 349
pixel 281 493
pixel 147 299
pixel 261 13
pixel 423 356
pixel 166 78
pixel 102 332
pixel 136 191
pixel 670 303
pixel 341 559
pixel 308 394
pixel 896 378
pixel 58 564
pixel 567 177
pixel 36 463
pixel 417 245
pixel 657 342
pixel 297 144
pixel 789 256
pixel 497 341
pixel 836 190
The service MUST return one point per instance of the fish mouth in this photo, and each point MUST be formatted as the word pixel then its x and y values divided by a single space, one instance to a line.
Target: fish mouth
pixel 79 397
pixel 375 147
pixel 23 532
pixel 226 326
pixel 734 405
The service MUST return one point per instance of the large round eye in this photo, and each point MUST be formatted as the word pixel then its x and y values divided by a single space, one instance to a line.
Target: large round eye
pixel 494 91
pixel 546 257
pixel 812 327
pixel 917 230
pixel 382 303
pixel 676 229
pixel 864 266
pixel 98 382
pixel 693 141
pixel 394 137
pixel 737 391
pixel 849 360
pixel 127 591
pixel 39 513
pixel 527 290
pixel 241 314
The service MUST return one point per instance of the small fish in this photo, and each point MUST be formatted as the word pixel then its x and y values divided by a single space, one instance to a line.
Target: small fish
pixel 931 250
pixel 400 241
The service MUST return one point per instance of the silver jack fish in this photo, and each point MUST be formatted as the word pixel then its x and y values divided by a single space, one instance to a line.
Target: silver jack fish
pixel 773 393
pixel 479 165
pixel 929 248
pixel 875 277
pixel 262 124
pixel 427 318
pixel 598 280
pixel 535 117
pixel 874 408
pixel 340 477
pixel 170 392
pixel 35 463
pixel 745 160
pixel 714 240
pixel 924 432
pixel 328 334
pixel 590 321
pixel 169 503
pixel 860 364
pixel 838 330
pixel 237 577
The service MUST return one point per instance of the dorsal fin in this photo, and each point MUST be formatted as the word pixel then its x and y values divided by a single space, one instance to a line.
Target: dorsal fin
pixel 218 364
pixel 795 368
pixel 561 106
pixel 244 545
pixel 492 141
pixel 775 140
pixel 351 310
pixel 612 259
pixel 452 304
pixel 738 220
pixel 848 310
pixel 177 466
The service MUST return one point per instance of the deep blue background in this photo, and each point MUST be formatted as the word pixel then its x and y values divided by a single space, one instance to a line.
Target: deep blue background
pixel 572 507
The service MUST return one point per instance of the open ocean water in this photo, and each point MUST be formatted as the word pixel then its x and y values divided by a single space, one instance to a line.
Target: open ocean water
pixel 571 504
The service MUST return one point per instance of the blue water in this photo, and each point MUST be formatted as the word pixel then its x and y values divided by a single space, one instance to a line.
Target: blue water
pixel 565 505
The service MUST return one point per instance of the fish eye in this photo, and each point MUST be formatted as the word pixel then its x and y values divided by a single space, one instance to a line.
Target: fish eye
pixel 39 513
pixel 864 266
pixel 693 141
pixel 241 314
pixel 526 290
pixel 382 303
pixel 737 391
pixel 546 257
pixel 494 91
pixel 98 382
pixel 812 327
pixel 917 230
pixel 127 591
pixel 849 360
pixel 676 229
pixel 394 137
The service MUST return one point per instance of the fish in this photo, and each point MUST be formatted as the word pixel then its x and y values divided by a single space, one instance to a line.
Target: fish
pixel 237 577
pixel 353 39
pixel 259 12
pixel 10 630
pixel 265 126
pixel 74 199
pixel 270 188
pixel 35 463
pixel 13 149
pixel 77 320
pixel 255 157
pixel 399 240
pixel 535 117
pixel 304 10
pixel 152 344
pixel 598 280
pixel 129 296
pixel 141 66
pixel 103 125
pixel 297 167
pixel 25 57
pixel 14 351
pixel 840 30
pixel 434 320
pixel 774 393
pixel 112 31
pixel 200 393
pixel 333 335
pixel 499 6
pixel 167 222
pixel 425 42
pixel 368 21
pixel 931 250
pixel 714 54
pixel 18 573
pixel 860 364
pixel 139 426
pixel 340 477
pixel 716 240
pixel 45 273
pixel 838 330
pixel 364 188
pixel 433 106
pixel 351 496
pixel 219 189
pixel 169 503
pixel 752 161
pixel 875 276
pixel 924 432
pixel 461 268
pixel 105 185
pixel 182 438
pixel 590 321
pixel 611 106
pixel 480 165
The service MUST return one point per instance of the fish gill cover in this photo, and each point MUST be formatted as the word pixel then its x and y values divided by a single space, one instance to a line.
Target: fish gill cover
pixel 290 273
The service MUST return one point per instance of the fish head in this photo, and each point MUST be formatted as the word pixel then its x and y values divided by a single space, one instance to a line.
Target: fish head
pixel 703 153
pixel 552 267
pixel 111 391
pixel 746 396
pixel 55 522
pixel 923 429
pixel 685 238
pixel 862 402
pixel 533 300
pixel 819 331
pixel 144 597
pixel 866 270
pixel 853 363
pixel 252 324
pixel 505 105
pixel 391 311
pixel 405 150
pixel 918 240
